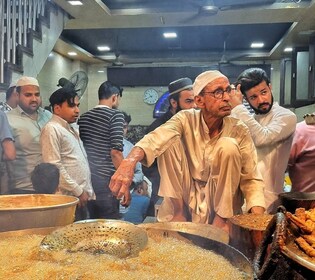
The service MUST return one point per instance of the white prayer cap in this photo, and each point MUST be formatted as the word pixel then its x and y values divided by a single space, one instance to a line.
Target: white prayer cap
pixel 205 78
pixel 13 84
pixel 27 81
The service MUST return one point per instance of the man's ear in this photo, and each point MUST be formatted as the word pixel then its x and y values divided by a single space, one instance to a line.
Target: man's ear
pixel 173 103
pixel 199 101
pixel 56 109
pixel 114 97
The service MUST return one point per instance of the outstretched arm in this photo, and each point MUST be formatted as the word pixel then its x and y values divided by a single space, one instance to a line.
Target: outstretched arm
pixel 122 178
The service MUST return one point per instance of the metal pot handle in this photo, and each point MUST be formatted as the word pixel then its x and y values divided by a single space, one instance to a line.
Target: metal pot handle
pixel 266 258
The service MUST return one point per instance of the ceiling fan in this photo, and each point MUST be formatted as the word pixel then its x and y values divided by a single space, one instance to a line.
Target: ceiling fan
pixel 225 60
pixel 212 7
pixel 116 62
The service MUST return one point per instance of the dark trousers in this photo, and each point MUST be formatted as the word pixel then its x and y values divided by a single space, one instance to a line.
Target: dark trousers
pixel 21 191
pixel 106 206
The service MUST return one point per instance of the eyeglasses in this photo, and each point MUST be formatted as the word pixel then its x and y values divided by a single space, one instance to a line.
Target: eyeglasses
pixel 218 93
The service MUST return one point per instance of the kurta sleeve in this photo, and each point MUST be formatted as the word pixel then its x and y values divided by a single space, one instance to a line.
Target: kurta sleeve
pixel 160 139
pixel 251 182
pixel 281 126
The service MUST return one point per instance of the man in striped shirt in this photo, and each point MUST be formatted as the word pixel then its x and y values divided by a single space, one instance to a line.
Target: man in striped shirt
pixel 101 130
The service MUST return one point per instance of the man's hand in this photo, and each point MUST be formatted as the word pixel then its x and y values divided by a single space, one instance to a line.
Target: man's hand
pixel 121 180
pixel 236 98
pixel 84 197
pixel 257 210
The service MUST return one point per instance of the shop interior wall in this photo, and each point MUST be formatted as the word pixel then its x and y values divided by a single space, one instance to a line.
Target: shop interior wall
pixel 58 66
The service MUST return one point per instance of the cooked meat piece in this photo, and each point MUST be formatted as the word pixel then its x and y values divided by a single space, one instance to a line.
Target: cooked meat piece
pixel 305 247
pixel 310 214
pixel 303 226
pixel 310 239
pixel 300 214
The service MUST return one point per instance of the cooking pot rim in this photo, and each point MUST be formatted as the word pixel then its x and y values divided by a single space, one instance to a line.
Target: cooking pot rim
pixel 72 201
pixel 298 196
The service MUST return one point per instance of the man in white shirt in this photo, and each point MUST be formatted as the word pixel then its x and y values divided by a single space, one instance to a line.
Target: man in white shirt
pixel 271 128
pixel 26 122
pixel 61 145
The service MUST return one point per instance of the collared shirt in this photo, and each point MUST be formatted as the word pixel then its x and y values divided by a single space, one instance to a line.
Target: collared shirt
pixel 190 127
pixel 61 145
pixel 26 132
pixel 302 158
pixel 272 134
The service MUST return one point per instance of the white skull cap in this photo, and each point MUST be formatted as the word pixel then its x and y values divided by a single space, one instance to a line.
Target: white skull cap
pixel 27 81
pixel 205 78
pixel 13 84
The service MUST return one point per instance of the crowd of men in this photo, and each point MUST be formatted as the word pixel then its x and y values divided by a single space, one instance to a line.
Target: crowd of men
pixel 208 156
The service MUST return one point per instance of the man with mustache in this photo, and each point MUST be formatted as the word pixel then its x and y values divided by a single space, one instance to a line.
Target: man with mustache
pixel 271 128
pixel 213 168
pixel 26 121
pixel 62 146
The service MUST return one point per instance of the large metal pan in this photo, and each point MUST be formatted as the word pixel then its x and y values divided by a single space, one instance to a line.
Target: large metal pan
pixel 235 257
pixel 36 211
pixel 203 230
pixel 205 236
pixel 293 200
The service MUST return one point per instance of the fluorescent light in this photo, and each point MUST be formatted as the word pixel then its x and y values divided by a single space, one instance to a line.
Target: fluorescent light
pixel 72 53
pixel 75 3
pixel 103 48
pixel 288 49
pixel 257 45
pixel 169 35
pixel 100 71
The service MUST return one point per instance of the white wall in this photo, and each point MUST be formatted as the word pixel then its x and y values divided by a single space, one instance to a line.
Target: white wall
pixel 58 66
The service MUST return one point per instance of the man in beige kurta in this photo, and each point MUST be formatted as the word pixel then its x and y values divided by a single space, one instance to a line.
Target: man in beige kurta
pixel 207 160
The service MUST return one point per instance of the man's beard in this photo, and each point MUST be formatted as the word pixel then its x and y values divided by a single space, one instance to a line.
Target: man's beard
pixel 178 109
pixel 260 111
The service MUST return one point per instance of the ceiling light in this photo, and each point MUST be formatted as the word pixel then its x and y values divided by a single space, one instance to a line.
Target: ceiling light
pixel 103 48
pixel 257 45
pixel 72 53
pixel 288 49
pixel 209 10
pixel 75 3
pixel 100 71
pixel 170 35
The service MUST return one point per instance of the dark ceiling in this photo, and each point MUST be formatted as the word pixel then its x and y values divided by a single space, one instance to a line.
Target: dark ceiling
pixel 207 31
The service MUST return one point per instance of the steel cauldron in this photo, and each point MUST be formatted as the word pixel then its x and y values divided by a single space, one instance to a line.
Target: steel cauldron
pixel 181 231
pixel 36 211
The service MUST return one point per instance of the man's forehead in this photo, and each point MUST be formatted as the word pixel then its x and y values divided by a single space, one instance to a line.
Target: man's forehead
pixel 187 93
pixel 30 89
pixel 217 82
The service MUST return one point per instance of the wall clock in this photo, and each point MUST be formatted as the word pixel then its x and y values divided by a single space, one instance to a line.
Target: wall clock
pixel 150 96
